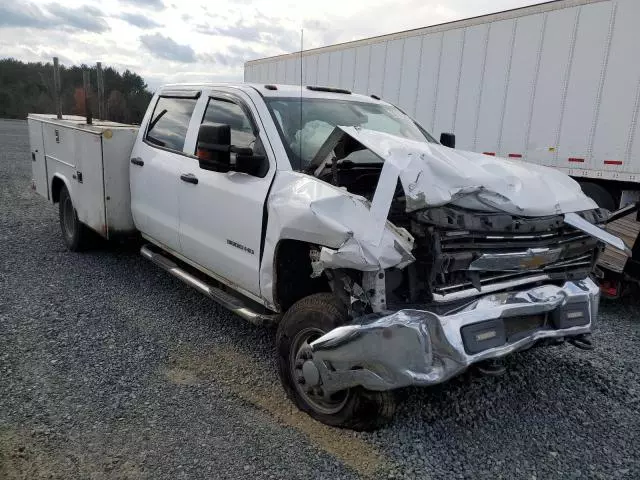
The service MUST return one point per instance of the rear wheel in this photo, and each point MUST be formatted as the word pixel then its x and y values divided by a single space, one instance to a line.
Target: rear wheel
pixel 355 408
pixel 74 233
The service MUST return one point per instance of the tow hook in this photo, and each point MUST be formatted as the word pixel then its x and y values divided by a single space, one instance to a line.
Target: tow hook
pixel 582 342
pixel 492 368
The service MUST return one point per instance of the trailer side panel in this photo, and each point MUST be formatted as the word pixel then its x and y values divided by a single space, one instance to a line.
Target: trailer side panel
pixel 556 84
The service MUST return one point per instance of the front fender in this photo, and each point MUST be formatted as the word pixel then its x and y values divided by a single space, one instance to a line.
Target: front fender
pixel 303 208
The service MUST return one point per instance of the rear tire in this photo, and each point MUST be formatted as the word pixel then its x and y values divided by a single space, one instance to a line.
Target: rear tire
pixel 75 234
pixel 599 194
pixel 355 408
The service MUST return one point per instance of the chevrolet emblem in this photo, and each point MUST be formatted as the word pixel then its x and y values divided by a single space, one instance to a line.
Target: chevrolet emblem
pixel 534 262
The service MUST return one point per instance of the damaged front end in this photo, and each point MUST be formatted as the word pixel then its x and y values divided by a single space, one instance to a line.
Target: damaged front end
pixel 457 260
pixel 420 347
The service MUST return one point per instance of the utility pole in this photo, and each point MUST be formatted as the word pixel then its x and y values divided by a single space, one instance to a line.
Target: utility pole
pixel 86 83
pixel 56 87
pixel 101 111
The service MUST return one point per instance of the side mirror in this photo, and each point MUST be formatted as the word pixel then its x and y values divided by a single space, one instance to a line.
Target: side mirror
pixel 255 165
pixel 213 147
pixel 214 151
pixel 448 140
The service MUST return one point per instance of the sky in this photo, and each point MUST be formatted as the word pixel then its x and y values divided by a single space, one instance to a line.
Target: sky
pixel 207 40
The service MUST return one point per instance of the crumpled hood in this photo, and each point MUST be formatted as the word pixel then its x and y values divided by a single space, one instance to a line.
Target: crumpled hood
pixel 434 175
pixel 523 188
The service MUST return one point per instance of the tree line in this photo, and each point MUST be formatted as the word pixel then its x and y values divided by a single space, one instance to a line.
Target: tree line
pixel 29 88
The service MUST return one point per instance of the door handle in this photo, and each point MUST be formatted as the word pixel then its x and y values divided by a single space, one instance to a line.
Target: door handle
pixel 137 161
pixel 189 178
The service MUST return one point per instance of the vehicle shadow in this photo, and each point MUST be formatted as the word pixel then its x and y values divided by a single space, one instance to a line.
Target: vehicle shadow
pixel 536 383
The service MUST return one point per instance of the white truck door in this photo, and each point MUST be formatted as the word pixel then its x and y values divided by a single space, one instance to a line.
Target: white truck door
pixel 154 173
pixel 221 214
pixel 38 166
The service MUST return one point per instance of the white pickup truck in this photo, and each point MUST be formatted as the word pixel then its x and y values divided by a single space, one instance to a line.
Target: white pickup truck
pixel 386 258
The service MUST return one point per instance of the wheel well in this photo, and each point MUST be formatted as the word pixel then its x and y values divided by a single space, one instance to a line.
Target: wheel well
pixel 56 188
pixel 293 274
pixel 613 187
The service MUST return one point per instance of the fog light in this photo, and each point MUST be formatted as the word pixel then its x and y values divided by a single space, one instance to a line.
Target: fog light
pixel 571 315
pixel 483 335
pixel 480 337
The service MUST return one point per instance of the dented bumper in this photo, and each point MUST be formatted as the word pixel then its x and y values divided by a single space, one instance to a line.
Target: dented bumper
pixel 418 347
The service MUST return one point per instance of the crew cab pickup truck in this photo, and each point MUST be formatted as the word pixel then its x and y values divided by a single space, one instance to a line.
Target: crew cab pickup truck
pixel 386 258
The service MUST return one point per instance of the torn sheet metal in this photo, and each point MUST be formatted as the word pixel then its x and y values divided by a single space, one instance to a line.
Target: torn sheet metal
pixel 363 250
pixel 302 208
pixel 360 255
pixel 418 347
pixel 581 224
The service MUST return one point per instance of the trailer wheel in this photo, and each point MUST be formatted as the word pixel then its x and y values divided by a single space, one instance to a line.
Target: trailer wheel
pixel 599 194
pixel 74 233
pixel 355 408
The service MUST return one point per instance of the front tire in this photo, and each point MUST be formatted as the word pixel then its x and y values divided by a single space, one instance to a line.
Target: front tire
pixel 74 233
pixel 355 408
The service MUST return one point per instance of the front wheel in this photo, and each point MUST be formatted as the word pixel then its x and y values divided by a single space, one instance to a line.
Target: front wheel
pixel 74 233
pixel 355 408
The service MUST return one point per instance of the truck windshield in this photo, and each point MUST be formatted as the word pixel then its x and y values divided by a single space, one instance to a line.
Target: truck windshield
pixel 304 124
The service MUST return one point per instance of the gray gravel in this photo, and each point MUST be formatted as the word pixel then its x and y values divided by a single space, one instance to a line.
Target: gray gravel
pixel 110 368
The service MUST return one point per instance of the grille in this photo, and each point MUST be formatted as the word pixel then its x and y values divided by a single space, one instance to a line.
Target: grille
pixel 454 240
pixel 458 249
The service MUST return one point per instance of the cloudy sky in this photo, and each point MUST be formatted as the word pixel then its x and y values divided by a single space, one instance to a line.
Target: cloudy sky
pixel 196 40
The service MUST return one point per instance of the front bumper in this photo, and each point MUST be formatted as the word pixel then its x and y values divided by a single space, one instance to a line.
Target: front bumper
pixel 418 347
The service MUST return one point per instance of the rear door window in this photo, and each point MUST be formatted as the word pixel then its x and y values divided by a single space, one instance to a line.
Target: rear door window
pixel 169 123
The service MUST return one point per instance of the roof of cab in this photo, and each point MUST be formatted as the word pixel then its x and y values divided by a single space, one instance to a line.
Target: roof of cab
pixel 268 90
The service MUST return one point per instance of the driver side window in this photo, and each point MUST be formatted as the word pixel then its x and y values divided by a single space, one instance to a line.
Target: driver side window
pixel 226 112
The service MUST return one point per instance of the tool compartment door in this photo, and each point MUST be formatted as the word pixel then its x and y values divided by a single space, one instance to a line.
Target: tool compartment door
pixel 75 155
pixel 117 144
pixel 38 165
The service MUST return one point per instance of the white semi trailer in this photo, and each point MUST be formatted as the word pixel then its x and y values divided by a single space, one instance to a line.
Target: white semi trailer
pixel 557 84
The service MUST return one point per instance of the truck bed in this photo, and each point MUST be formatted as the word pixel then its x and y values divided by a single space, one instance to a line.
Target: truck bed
pixel 92 161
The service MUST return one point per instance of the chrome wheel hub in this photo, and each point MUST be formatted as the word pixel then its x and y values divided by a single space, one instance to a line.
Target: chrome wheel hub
pixel 307 377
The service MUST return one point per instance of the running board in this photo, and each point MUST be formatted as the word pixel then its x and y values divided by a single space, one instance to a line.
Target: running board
pixel 223 298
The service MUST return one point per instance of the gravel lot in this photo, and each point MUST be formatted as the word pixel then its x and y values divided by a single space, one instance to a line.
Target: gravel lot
pixel 110 368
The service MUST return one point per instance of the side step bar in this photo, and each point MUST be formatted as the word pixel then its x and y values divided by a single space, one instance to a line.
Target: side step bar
pixel 223 298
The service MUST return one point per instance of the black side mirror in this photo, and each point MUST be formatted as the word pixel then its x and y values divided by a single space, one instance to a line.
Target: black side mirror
pixel 448 140
pixel 247 162
pixel 213 147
